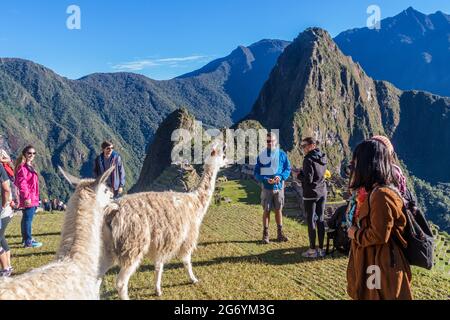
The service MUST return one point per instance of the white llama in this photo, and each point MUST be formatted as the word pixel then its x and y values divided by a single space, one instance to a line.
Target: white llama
pixel 81 260
pixel 161 226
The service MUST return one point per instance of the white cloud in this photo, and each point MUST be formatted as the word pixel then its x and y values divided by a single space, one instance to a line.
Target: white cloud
pixel 139 65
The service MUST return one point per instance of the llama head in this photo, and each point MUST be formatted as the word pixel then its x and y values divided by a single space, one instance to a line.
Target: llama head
pixel 87 206
pixel 103 193
pixel 217 158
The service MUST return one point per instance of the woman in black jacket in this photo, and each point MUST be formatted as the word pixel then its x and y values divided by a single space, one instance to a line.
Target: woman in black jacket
pixel 314 194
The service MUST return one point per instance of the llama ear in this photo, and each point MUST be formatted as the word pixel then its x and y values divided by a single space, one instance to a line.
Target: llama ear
pixel 72 180
pixel 105 175
pixel 217 148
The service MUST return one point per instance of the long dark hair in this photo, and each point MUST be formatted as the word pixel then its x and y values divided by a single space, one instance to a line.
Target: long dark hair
pixel 371 165
pixel 23 156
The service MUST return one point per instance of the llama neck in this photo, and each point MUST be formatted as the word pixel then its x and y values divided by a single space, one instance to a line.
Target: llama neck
pixel 207 186
pixel 86 246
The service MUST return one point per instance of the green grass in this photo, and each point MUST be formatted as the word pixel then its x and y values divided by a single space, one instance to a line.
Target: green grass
pixel 442 253
pixel 247 191
pixel 230 262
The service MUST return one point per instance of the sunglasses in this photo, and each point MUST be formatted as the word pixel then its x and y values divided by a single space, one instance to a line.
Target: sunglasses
pixel 31 153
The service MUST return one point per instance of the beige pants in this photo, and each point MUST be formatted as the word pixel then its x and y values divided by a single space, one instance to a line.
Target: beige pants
pixel 272 199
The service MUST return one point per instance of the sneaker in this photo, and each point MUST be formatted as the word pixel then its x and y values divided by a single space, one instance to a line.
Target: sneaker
pixel 310 253
pixel 321 253
pixel 6 273
pixel 33 244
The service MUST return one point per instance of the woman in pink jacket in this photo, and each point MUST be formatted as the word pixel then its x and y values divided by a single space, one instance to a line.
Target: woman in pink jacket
pixel 27 182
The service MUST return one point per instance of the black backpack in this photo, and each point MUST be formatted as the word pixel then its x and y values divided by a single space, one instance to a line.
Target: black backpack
pixel 337 224
pixel 417 233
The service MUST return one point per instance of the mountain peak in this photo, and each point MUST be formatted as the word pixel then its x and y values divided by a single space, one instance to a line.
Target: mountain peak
pixel 313 40
pixel 409 38
pixel 410 9
pixel 269 44
pixel 159 151
pixel 411 13
pixel 318 32
pixel 312 36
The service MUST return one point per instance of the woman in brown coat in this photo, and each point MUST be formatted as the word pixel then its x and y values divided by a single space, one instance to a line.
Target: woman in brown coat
pixel 377 268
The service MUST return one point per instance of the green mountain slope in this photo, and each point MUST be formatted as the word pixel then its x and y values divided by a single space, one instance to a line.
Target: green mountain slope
pixel 39 107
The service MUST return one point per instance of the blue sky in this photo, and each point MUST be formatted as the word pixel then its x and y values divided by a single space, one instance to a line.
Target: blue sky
pixel 165 38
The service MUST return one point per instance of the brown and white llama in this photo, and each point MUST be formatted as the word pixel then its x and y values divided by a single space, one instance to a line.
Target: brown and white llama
pixel 81 261
pixel 161 226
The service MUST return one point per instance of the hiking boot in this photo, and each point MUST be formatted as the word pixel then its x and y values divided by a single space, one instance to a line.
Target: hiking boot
pixel 310 253
pixel 281 237
pixel 266 239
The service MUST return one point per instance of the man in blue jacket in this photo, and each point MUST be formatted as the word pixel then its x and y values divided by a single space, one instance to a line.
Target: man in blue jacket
pixel 272 170
pixel 104 161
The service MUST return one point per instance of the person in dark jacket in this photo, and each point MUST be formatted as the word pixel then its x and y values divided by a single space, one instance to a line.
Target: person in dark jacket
pixel 314 186
pixel 47 206
pixel 104 161
pixel 54 205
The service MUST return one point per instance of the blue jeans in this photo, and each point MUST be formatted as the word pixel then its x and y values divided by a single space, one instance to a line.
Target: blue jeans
pixel 27 220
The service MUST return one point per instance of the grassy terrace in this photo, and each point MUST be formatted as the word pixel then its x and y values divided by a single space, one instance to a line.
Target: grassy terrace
pixel 230 262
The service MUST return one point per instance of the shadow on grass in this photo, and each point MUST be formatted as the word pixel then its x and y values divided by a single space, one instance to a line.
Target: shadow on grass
pixel 109 294
pixel 285 256
pixel 49 234
pixel 34 254
pixel 253 192
pixel 274 257
pixel 205 244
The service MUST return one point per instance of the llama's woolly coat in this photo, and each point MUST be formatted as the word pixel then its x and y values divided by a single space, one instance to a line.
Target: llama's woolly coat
pixel 160 225
pixel 164 224
pixel 81 260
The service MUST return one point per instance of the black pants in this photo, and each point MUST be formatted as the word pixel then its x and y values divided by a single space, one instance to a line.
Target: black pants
pixel 315 210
